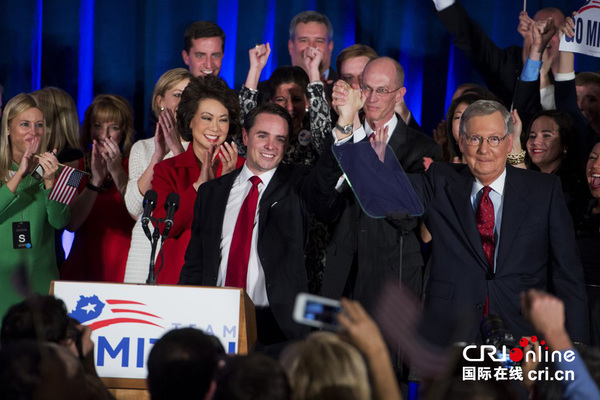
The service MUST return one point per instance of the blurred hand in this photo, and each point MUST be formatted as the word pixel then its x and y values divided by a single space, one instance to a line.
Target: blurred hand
pixel 160 145
pixel 28 162
pixel 525 25
pixel 209 166
pixel 567 27
pixel 379 141
pixel 360 329
pixel 112 156
pixel 439 134
pixel 347 100
pixel 542 32
pixel 168 124
pixel 311 58
pixel 517 130
pixel 98 165
pixel 547 315
pixel 49 163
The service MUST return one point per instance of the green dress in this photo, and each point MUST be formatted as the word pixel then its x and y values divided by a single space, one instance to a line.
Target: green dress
pixel 30 204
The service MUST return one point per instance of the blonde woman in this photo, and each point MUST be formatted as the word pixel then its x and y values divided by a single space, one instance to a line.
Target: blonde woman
pixel 27 217
pixel 323 366
pixel 145 154
pixel 62 124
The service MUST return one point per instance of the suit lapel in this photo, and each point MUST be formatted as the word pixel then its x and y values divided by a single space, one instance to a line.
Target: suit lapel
pixel 398 140
pixel 272 193
pixel 514 210
pixel 459 194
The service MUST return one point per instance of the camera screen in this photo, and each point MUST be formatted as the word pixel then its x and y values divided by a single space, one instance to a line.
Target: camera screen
pixel 321 312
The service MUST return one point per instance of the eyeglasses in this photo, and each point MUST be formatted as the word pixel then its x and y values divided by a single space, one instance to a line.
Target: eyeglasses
pixel 380 91
pixel 493 141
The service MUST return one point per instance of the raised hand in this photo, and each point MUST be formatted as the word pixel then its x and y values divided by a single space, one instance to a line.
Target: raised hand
pixel 28 161
pixel 379 141
pixel 160 146
pixel 259 55
pixel 209 166
pixel 567 27
pixel 439 134
pixel 112 156
pixel 311 58
pixel 49 163
pixel 517 130
pixel 347 100
pixel 98 165
pixel 525 25
pixel 168 124
pixel 542 32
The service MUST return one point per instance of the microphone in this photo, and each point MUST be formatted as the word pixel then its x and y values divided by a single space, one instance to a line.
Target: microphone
pixel 150 199
pixel 171 206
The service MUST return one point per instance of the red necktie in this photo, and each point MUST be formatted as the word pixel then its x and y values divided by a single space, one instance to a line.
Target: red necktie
pixel 485 224
pixel 239 253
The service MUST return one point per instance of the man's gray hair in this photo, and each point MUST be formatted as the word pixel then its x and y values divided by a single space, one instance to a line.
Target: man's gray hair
pixel 482 108
pixel 311 16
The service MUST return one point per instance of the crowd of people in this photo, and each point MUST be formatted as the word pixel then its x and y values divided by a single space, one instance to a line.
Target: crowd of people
pixel 509 184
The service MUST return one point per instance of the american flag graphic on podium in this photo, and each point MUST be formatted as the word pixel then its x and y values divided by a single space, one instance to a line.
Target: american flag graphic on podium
pixel 66 185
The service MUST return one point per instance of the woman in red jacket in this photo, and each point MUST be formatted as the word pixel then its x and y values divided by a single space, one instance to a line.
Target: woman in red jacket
pixel 207 115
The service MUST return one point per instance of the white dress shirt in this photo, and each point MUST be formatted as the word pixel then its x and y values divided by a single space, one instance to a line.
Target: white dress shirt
pixel 255 281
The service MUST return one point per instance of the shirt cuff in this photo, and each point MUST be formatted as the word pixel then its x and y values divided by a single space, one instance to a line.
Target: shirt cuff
pixel 531 70
pixel 567 76
pixel 337 142
pixel 442 4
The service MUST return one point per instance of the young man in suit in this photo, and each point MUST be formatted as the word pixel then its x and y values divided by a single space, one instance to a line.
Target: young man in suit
pixel 265 256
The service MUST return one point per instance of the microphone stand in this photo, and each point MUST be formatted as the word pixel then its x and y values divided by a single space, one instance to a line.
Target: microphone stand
pixel 154 243
pixel 404 223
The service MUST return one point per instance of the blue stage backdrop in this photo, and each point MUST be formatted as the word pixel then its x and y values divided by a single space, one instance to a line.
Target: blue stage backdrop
pixel 89 47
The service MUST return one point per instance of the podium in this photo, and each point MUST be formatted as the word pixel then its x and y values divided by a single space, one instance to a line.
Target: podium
pixel 127 319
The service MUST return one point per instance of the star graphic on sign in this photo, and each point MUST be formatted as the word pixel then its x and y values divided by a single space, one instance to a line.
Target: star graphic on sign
pixel 89 308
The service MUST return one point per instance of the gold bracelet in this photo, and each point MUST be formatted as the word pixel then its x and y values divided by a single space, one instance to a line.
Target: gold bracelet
pixel 515 159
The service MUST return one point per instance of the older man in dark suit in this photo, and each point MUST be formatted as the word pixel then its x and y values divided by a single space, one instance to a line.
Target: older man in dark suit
pixel 364 251
pixel 497 231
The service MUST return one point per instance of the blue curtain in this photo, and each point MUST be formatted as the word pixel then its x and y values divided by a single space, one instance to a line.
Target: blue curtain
pixel 89 47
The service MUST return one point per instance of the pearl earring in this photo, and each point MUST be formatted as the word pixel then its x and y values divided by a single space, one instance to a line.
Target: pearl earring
pixel 162 109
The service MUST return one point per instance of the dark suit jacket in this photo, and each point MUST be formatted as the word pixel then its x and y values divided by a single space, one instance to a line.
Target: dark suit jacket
pixel 373 243
pixel 294 192
pixel 537 250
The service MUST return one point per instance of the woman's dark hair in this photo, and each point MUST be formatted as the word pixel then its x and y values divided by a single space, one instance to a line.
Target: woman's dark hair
pixel 452 150
pixel 202 88
pixel 46 313
pixel 567 135
pixel 283 75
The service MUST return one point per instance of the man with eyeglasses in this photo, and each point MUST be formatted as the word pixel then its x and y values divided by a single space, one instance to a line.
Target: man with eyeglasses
pixel 364 252
pixel 498 231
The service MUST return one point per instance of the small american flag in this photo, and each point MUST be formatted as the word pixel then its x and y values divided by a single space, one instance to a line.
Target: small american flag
pixel 66 185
